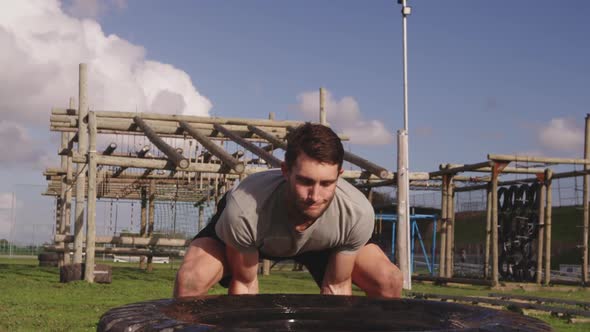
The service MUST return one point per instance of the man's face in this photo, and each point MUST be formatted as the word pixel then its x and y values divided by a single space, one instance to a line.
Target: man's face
pixel 311 185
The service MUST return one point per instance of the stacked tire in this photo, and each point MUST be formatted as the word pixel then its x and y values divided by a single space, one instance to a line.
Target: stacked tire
pixel 48 259
pixel 103 274
pixel 518 223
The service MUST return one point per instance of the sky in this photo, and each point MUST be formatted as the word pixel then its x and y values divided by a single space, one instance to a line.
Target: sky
pixel 484 76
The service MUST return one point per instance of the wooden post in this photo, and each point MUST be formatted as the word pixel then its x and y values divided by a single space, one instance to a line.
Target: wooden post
pixel 68 199
pixel 586 204
pixel 80 170
pixel 548 212
pixel 486 267
pixel 495 274
pixel 265 267
pixel 451 230
pixel 323 120
pixel 151 216
pixel 91 218
pixel 443 227
pixel 201 217
pixel 143 222
pixel 60 227
pixel 541 232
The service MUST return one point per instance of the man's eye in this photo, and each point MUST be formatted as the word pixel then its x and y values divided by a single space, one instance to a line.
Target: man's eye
pixel 306 182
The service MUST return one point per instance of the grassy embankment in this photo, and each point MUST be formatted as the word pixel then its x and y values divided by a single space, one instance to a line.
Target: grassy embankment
pixel 32 299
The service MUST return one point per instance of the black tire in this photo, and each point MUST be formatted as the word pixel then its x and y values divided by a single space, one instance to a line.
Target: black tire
pixel 103 274
pixel 310 313
pixel 48 259
pixel 520 197
pixel 504 199
pixel 532 196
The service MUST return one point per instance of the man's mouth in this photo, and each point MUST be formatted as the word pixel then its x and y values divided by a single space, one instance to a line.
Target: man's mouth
pixel 313 206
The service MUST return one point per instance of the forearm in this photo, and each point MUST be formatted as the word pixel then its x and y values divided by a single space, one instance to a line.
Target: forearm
pixel 239 287
pixel 337 288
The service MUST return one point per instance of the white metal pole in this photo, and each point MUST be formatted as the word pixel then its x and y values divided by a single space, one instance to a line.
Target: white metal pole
pixel 406 11
pixel 403 183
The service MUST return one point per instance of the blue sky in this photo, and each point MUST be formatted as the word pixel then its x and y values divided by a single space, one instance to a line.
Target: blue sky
pixel 485 76
pixel 497 72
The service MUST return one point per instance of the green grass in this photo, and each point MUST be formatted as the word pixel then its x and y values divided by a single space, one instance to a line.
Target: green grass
pixel 32 299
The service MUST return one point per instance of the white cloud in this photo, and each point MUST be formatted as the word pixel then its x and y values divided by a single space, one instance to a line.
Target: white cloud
pixel 22 148
pixel 92 8
pixel 344 116
pixel 561 135
pixel 42 46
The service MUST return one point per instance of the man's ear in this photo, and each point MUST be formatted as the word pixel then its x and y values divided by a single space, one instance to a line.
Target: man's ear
pixel 340 172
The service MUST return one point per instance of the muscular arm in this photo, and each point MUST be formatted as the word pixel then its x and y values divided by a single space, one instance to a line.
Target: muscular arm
pixel 337 278
pixel 244 269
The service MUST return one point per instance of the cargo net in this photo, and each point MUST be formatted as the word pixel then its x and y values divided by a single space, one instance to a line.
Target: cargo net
pixel 181 219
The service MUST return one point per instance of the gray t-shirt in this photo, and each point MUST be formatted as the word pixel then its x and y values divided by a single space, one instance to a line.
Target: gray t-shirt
pixel 255 218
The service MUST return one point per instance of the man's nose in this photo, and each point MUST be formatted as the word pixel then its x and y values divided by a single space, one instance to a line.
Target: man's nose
pixel 314 193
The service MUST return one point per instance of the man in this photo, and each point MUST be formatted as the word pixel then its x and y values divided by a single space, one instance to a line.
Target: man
pixel 305 212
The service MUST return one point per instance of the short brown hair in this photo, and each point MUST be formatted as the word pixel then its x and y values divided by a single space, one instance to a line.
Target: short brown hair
pixel 317 141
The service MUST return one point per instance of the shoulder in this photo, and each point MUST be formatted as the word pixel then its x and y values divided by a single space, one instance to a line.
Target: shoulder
pixel 353 198
pixel 256 189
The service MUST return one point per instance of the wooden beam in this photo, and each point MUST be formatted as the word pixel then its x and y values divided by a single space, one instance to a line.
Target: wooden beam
pixel 170 152
pixel 126 251
pixel 272 160
pixel 527 180
pixel 375 169
pixel 201 119
pixel 215 149
pixel 269 137
pixel 506 170
pixel 463 168
pixel 131 241
pixel 530 159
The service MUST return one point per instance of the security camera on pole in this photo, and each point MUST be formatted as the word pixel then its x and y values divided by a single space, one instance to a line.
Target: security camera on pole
pixel 403 178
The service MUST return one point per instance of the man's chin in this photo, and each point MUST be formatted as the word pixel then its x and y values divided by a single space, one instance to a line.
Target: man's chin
pixel 312 213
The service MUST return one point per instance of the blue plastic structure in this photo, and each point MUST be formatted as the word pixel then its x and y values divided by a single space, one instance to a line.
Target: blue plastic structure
pixel 415 235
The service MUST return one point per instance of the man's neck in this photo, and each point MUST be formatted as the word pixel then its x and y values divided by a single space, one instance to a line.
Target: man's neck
pixel 301 227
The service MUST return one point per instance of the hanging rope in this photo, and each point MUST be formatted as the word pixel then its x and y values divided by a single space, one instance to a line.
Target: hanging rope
pixel 111 218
